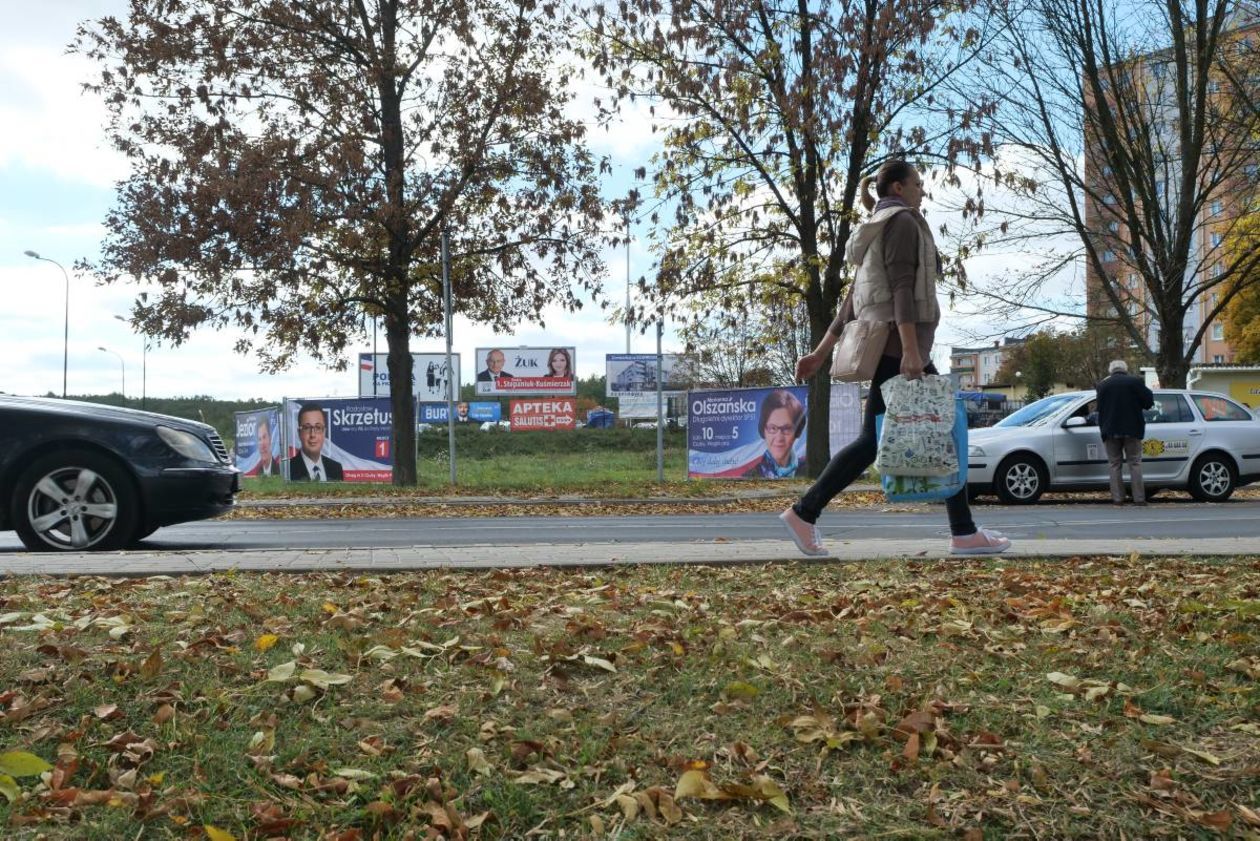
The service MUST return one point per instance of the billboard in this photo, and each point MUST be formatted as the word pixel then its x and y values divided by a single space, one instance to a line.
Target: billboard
pixel 634 406
pixel 845 417
pixel 256 451
pixel 532 371
pixel 338 439
pixel 746 433
pixel 464 412
pixel 543 414
pixel 429 375
pixel 635 373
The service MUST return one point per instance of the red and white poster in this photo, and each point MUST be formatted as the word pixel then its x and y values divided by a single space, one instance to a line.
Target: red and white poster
pixel 543 414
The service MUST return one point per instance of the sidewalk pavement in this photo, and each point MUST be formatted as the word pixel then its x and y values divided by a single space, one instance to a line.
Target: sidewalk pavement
pixel 494 556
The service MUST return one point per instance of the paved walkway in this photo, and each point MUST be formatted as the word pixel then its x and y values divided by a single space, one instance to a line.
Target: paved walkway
pixel 571 555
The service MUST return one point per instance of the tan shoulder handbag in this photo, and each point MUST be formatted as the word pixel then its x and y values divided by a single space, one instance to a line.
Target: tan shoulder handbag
pixel 857 351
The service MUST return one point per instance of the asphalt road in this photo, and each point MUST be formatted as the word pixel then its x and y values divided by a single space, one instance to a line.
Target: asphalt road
pixel 1170 519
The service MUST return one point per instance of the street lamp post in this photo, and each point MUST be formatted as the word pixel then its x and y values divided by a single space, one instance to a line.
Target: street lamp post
pixel 144 362
pixel 123 366
pixel 65 354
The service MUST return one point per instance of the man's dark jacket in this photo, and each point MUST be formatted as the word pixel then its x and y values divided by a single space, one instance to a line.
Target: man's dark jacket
pixel 297 470
pixel 1121 399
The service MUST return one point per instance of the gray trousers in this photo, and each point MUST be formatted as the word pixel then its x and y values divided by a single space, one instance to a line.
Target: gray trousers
pixel 1120 450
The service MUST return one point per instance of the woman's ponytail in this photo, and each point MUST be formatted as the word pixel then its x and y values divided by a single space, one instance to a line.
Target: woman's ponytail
pixel 864 190
pixel 890 172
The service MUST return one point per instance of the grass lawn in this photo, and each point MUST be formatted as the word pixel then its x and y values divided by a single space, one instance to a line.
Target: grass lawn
pixel 1085 698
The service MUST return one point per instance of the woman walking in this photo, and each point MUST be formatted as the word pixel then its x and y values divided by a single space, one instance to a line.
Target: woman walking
pixel 897 266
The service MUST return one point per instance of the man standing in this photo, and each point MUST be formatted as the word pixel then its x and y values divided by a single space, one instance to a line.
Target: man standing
pixel 1121 399
pixel 494 369
pixel 310 464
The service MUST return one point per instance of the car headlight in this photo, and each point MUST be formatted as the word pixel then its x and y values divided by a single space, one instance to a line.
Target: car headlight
pixel 186 444
pixel 975 451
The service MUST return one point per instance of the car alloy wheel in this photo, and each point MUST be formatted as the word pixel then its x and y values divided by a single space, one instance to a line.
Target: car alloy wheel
pixel 75 502
pixel 1212 479
pixel 1020 481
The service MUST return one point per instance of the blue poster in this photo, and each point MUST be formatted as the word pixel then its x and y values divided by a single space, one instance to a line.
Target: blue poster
pixel 339 439
pixel 257 447
pixel 746 433
pixel 464 412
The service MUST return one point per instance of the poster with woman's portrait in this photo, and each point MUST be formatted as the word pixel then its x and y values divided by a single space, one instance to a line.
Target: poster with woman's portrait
pixel 526 371
pixel 746 433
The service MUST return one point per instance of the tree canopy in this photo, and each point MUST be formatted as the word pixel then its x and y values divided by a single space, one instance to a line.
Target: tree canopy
pixel 294 162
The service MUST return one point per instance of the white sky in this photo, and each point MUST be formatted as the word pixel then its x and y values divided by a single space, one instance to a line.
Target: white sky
pixel 56 177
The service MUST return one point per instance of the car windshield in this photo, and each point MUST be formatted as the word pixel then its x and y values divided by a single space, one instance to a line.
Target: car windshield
pixel 1038 413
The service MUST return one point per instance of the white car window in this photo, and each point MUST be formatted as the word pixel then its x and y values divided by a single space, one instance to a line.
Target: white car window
pixel 1169 408
pixel 1214 408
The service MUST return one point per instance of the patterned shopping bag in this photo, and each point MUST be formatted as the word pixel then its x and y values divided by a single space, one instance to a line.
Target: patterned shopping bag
pixel 930 488
pixel 917 434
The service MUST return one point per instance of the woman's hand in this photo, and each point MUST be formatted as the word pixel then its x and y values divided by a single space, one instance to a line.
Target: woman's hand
pixel 912 366
pixel 808 365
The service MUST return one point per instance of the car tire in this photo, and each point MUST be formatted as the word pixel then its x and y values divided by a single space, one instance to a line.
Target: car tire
pixel 1019 480
pixel 50 517
pixel 1212 478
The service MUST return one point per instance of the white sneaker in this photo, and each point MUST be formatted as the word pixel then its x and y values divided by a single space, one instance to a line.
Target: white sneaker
pixel 983 542
pixel 804 535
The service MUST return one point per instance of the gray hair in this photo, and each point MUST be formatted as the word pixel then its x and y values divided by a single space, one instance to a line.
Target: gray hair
pixel 1118 365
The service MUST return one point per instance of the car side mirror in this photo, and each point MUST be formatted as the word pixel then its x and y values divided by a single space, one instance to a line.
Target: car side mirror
pixel 1075 420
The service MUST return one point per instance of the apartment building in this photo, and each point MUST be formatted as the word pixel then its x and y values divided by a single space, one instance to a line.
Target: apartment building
pixel 1107 221
pixel 976 367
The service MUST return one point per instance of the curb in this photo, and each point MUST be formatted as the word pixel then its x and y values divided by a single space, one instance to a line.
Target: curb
pixel 487 501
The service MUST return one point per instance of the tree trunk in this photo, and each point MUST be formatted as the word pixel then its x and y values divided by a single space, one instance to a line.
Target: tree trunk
pixel 403 429
pixel 818 432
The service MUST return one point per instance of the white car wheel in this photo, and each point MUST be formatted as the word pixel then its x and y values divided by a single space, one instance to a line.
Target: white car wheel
pixel 1019 481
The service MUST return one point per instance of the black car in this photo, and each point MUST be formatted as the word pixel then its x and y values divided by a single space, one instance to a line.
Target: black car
pixel 81 476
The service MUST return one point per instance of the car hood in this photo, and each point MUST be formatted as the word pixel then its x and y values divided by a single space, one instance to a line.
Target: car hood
pixel 996 434
pixel 98 411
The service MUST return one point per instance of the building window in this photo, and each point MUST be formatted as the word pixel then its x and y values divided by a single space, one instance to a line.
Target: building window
pixel 1113 227
pixel 1216 240
pixel 1217 271
pixel 1216 207
pixel 1109 199
pixel 1251 170
pixel 1215 299
pixel 1218 358
pixel 1108 256
pixel 1218 332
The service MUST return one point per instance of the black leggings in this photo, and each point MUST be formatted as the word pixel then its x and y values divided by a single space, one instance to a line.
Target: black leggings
pixel 852 461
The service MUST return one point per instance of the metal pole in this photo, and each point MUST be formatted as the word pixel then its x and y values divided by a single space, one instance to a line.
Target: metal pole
pixel 660 409
pixel 65 346
pixel 375 321
pixel 65 353
pixel 450 369
pixel 144 371
pixel 627 283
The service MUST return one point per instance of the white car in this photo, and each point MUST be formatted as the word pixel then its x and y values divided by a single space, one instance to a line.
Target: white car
pixel 1199 441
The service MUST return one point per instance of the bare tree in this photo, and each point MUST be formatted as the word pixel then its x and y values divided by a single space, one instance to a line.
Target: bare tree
pixel 772 114
pixel 1131 126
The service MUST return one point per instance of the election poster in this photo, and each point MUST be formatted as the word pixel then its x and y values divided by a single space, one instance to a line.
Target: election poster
pixel 429 375
pixel 338 439
pixel 464 412
pixel 548 415
pixel 526 371
pixel 635 373
pixel 257 448
pixel 845 418
pixel 746 433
